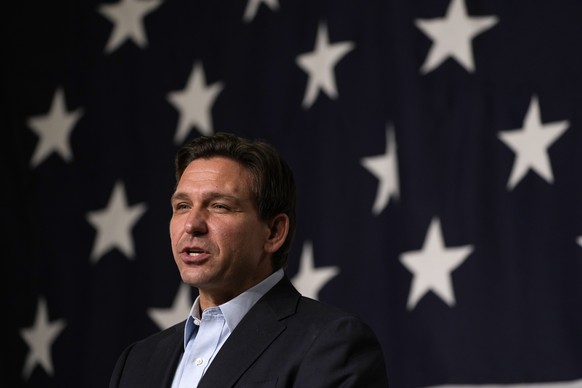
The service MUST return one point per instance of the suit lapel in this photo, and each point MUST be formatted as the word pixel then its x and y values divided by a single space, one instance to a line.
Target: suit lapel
pixel 258 329
pixel 168 349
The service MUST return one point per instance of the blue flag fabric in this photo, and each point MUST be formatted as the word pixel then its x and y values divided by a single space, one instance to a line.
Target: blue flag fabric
pixel 436 146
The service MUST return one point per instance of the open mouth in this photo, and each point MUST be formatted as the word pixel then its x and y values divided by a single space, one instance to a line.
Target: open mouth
pixel 193 252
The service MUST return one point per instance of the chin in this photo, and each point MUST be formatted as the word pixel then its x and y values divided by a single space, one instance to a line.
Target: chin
pixel 191 279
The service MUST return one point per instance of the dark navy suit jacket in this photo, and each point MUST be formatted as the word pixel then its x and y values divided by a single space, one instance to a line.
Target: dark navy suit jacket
pixel 285 340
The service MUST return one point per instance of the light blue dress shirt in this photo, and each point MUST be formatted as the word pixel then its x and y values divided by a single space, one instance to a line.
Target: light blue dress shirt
pixel 204 335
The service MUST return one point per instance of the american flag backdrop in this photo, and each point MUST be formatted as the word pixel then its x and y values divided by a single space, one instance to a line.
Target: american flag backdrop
pixel 437 147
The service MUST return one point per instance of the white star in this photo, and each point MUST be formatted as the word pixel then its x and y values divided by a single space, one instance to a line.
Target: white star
pixel 531 144
pixel 253 7
pixel 40 337
pixel 385 168
pixel 194 103
pixel 126 17
pixel 319 65
pixel 166 317
pixel 452 36
pixel 54 129
pixel 432 266
pixel 114 224
pixel 310 280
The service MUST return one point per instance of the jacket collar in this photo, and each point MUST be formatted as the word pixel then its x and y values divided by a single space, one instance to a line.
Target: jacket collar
pixel 264 320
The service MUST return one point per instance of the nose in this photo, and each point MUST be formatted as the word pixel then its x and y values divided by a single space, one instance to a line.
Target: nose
pixel 195 223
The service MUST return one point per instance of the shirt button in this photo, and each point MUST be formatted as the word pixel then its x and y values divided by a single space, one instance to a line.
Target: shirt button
pixel 199 361
pixel 197 322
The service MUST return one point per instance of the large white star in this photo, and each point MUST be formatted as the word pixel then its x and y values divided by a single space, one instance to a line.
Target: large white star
pixel 40 337
pixel 126 17
pixel 166 317
pixel 385 168
pixel 310 280
pixel 452 36
pixel 194 104
pixel 319 65
pixel 531 144
pixel 114 224
pixel 253 7
pixel 54 130
pixel 431 266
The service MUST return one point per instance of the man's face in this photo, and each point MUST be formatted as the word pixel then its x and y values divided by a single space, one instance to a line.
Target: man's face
pixel 218 241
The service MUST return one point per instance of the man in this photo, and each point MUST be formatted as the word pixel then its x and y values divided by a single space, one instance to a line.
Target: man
pixel 231 230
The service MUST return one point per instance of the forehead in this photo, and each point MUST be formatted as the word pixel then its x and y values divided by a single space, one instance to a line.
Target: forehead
pixel 218 171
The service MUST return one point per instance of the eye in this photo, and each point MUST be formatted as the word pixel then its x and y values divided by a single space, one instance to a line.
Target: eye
pixel 181 206
pixel 220 206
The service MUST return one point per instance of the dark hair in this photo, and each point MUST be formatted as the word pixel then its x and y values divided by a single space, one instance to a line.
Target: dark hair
pixel 273 185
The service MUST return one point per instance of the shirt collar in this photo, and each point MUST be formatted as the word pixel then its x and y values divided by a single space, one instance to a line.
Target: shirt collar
pixel 235 309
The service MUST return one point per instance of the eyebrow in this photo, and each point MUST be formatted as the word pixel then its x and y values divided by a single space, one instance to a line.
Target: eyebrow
pixel 180 195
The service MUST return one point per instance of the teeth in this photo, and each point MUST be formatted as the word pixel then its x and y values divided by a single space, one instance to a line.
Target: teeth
pixel 193 253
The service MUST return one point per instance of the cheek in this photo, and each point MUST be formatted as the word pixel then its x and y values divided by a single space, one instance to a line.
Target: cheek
pixel 174 230
pixel 247 238
pixel 230 238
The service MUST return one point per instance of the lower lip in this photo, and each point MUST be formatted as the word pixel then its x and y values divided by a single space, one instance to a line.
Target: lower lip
pixel 194 259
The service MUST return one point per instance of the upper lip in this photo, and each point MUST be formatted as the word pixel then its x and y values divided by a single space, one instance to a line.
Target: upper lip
pixel 193 249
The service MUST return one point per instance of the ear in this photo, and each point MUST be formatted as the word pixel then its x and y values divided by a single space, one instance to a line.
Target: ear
pixel 278 230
